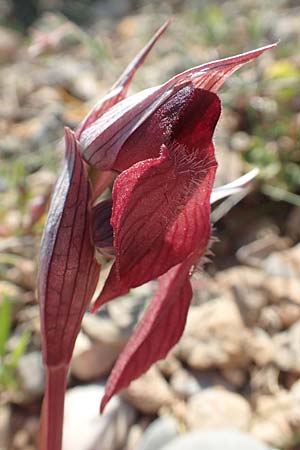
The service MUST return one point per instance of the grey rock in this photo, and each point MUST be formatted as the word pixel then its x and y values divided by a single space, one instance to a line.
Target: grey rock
pixel 253 252
pixel 31 374
pixel 226 439
pixel 264 381
pixel 101 329
pixel 159 433
pixel 285 263
pixel 92 360
pixel 218 342
pixel 279 289
pixel 135 434
pixel 287 351
pixel 10 43
pixel 3 185
pixel 61 71
pixel 5 416
pixel 86 86
pixel 210 409
pixel 9 145
pixel 86 429
pixel 184 384
pixel 277 417
pixel 244 284
pixel 235 378
pixel 112 8
pixel 188 383
pixel 169 365
pixel 211 378
pixel 150 392
pixel 287 26
pixel 260 347
pixel 127 309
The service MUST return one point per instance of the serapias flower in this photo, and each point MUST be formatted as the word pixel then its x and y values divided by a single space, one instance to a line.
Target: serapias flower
pixel 160 143
pixel 156 149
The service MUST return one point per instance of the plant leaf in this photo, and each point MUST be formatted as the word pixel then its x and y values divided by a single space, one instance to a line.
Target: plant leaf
pixel 19 349
pixel 5 322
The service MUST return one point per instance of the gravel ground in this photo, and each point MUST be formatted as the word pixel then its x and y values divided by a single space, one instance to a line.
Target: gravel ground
pixel 237 365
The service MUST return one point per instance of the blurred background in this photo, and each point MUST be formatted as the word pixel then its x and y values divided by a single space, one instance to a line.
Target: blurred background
pixel 237 365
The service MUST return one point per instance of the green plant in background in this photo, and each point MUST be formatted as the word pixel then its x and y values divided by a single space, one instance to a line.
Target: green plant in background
pixel 267 108
pixel 9 357
pixel 275 125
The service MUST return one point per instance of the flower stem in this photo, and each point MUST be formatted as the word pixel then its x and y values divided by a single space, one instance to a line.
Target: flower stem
pixel 53 408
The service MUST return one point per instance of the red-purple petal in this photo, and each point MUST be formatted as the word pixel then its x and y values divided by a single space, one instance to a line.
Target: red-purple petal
pixel 68 272
pixel 158 331
pixel 120 88
pixel 102 230
pixel 128 74
pixel 102 141
pixel 212 75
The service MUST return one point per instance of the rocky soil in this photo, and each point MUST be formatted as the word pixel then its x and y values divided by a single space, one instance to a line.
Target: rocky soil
pixel 234 376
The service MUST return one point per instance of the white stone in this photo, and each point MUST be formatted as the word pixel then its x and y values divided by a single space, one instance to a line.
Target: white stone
pixel 86 429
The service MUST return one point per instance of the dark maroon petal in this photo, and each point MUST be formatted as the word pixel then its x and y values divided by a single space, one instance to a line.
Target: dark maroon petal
pixel 120 88
pixel 189 116
pixel 161 208
pixel 102 229
pixel 158 331
pixel 102 141
pixel 68 272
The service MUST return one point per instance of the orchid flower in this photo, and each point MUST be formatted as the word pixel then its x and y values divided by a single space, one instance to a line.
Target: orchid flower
pixel 155 149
